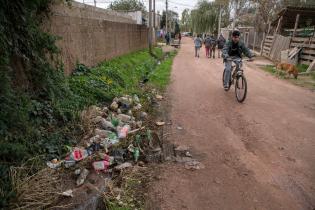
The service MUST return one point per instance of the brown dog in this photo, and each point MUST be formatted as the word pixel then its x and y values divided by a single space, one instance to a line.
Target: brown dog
pixel 288 68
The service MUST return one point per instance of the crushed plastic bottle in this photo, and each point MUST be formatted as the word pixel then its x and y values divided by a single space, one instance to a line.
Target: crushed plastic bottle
pixel 136 154
pixel 69 163
pixel 54 164
pixel 101 165
pixel 123 132
pixel 82 177
pixel 79 154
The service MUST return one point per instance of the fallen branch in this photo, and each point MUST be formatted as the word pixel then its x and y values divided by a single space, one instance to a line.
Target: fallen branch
pixel 136 130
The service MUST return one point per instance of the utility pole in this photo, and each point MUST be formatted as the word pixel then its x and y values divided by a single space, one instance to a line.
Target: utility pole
pixel 150 25
pixel 94 3
pixel 236 13
pixel 166 29
pixel 154 23
pixel 219 28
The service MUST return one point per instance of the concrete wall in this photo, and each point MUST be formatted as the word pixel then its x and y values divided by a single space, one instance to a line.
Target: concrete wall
pixel 137 16
pixel 90 35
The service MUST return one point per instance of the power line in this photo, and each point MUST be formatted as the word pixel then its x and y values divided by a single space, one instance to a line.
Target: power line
pixel 181 4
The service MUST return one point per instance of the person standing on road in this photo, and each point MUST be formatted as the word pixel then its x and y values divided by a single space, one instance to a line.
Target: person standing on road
pixel 233 48
pixel 221 42
pixel 207 43
pixel 198 45
pixel 213 44
pixel 179 37
pixel 167 38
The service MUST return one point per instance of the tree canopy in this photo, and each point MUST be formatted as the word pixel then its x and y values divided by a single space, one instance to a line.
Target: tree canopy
pixel 127 5
pixel 186 21
pixel 171 18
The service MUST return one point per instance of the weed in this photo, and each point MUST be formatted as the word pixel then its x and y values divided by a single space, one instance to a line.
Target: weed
pixel 161 76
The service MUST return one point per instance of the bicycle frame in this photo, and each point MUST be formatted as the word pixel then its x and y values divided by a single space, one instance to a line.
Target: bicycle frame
pixel 237 68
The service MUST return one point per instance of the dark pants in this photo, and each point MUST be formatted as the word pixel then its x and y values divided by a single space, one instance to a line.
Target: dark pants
pixel 207 51
pixel 212 52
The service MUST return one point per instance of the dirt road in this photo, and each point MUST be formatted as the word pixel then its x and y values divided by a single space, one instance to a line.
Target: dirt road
pixel 257 155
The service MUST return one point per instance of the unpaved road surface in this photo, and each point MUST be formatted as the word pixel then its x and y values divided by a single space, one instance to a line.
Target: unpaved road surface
pixel 257 155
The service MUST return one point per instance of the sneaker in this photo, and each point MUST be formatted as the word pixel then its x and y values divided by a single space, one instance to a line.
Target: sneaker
pixel 226 88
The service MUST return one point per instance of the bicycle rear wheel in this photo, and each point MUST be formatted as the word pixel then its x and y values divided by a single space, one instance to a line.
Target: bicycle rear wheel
pixel 240 88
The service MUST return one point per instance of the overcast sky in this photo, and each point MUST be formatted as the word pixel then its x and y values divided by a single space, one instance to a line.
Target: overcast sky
pixel 175 5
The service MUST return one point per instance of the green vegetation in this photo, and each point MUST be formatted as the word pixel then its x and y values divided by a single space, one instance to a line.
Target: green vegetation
pixel 161 76
pixel 307 81
pixel 115 77
pixel 269 68
pixel 38 112
pixel 302 67
pixel 40 107
pixel 127 5
pixel 272 68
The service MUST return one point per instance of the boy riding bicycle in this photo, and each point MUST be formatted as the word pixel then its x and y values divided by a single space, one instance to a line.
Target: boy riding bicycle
pixel 233 48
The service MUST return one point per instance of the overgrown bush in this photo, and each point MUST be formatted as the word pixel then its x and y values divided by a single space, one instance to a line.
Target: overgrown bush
pixel 38 110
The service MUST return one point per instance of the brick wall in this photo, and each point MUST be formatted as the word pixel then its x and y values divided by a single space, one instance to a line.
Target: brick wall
pixel 90 35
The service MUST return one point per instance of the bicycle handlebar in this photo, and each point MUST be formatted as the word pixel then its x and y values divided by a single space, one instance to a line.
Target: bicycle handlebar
pixel 239 59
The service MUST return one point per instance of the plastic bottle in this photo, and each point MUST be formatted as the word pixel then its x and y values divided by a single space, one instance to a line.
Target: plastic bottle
pixel 101 165
pixel 136 154
pixel 123 132
pixel 79 154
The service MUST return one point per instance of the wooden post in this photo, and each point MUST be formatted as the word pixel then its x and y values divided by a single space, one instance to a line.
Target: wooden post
pixel 219 25
pixel 279 25
pixel 269 27
pixel 150 26
pixel 262 44
pixel 166 28
pixel 296 24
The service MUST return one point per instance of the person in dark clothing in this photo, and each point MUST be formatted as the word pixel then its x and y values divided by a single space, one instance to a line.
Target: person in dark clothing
pixel 233 48
pixel 179 37
pixel 213 44
pixel 221 42
pixel 207 43
pixel 167 38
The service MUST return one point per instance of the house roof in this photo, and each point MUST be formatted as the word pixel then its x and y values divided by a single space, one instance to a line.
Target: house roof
pixel 307 14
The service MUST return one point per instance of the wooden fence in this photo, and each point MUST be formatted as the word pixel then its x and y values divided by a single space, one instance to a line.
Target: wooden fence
pixel 308 52
pixel 273 46
pixel 279 43
pixel 267 45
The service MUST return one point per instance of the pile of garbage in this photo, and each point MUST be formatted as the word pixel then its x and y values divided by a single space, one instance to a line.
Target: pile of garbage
pixel 118 141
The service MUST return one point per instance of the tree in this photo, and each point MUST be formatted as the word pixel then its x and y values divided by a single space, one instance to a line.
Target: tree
pixel 205 17
pixel 127 5
pixel 177 28
pixel 186 21
pixel 172 17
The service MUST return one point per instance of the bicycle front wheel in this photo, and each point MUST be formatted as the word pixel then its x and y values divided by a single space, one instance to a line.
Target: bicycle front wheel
pixel 240 88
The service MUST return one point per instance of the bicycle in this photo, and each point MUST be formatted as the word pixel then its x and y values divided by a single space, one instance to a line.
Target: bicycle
pixel 237 74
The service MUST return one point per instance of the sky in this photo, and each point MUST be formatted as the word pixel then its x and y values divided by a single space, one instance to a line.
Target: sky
pixel 175 5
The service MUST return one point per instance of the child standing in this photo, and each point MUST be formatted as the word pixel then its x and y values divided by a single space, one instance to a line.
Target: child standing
pixel 198 45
